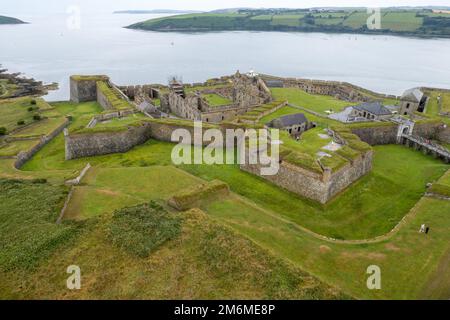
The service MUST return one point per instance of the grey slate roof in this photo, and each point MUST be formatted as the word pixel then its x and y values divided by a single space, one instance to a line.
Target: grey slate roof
pixel 413 95
pixel 290 120
pixel 375 108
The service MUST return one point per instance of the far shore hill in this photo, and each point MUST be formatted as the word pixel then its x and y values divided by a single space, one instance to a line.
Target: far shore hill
pixel 406 21
pixel 155 11
pixel 9 20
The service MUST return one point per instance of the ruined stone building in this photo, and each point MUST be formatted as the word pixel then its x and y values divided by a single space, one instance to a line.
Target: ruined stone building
pixel 242 92
pixel 412 100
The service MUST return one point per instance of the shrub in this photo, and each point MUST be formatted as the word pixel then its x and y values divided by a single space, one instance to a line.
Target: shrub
pixel 33 102
pixel 3 131
pixel 39 181
pixel 141 229
pixel 29 233
pixel 20 123
pixel 37 117
pixel 30 109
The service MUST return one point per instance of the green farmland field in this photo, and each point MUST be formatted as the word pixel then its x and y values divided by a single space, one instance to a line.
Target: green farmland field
pixel 417 22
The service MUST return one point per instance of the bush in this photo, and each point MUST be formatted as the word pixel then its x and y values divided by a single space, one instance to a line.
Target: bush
pixel 30 109
pixel 3 131
pixel 20 123
pixel 37 117
pixel 39 181
pixel 141 229
pixel 33 102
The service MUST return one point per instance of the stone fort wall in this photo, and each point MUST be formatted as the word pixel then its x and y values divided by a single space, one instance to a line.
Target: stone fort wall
pixel 380 135
pixel 319 187
pixel 24 156
pixel 79 145
pixel 341 90
pixel 84 88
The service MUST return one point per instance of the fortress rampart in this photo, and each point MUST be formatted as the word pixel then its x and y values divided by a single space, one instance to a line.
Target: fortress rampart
pixel 340 90
pixel 321 187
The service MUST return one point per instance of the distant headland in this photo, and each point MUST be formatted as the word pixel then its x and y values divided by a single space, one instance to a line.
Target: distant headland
pixel 10 20
pixel 155 11
pixel 403 21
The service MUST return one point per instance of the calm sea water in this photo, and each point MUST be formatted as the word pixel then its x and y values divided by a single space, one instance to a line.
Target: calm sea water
pixel 48 50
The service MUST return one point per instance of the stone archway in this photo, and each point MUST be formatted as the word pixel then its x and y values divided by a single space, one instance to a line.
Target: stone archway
pixel 405 128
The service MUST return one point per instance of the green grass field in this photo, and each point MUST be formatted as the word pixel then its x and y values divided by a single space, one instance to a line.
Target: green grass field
pixel 411 263
pixel 14 148
pixel 287 20
pixel 204 261
pixel 370 207
pixel 401 21
pixel 39 128
pixel 121 122
pixel 108 189
pixel 252 244
pixel 14 110
pixel 315 103
pixel 214 100
pixel 393 21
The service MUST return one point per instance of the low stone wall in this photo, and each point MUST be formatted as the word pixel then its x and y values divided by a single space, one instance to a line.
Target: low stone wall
pixel 341 90
pixel 380 135
pixel 94 144
pixel 315 186
pixel 109 116
pixel 377 135
pixel 163 131
pixel 23 157
pixel 100 143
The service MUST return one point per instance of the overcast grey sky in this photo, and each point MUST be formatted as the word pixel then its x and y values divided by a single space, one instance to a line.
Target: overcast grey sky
pixel 51 6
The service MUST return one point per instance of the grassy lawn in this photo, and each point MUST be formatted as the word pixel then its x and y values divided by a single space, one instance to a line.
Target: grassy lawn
pixel 107 189
pixel 15 110
pixel 310 141
pixel 287 20
pixel 206 261
pixel 445 96
pixel 370 207
pixel 15 147
pixel 317 103
pixel 214 100
pixel 356 20
pixel 432 108
pixel 28 212
pixel 401 21
pixel 374 204
pixel 114 98
pixel 328 21
pixel 42 127
pixel 121 122
pixel 410 262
